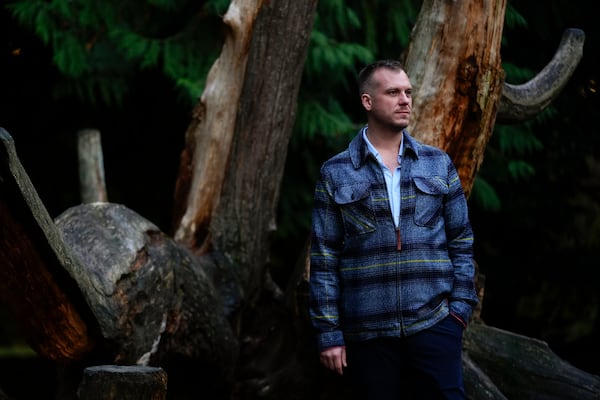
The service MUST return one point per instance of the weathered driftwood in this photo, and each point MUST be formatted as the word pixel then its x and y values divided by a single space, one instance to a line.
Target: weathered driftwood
pixel 114 382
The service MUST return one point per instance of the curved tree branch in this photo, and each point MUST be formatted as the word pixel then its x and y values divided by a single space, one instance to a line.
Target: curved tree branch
pixel 522 102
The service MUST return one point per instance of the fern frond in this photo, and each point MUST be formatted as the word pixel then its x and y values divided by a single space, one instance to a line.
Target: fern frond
pixel 520 169
pixel 484 195
pixel 516 139
pixel 69 54
pixel 316 119
pixel 513 18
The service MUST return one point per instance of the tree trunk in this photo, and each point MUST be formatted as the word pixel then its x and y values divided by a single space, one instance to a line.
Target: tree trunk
pixel 454 63
pixel 210 134
pixel 245 218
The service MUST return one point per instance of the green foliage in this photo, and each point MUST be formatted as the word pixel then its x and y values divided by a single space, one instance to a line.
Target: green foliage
pixel 99 46
pixel 316 117
pixel 513 18
pixel 484 195
pixel 17 351
pixel 517 139
pixel 387 27
pixel 505 162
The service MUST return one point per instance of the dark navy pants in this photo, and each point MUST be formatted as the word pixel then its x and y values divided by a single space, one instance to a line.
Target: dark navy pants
pixel 424 366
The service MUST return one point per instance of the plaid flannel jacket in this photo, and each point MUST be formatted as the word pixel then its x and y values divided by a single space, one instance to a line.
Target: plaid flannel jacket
pixel 362 285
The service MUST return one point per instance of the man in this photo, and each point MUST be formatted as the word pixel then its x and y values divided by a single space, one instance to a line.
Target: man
pixel 391 280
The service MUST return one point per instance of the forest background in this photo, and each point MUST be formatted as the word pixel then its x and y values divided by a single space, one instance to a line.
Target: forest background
pixel 535 206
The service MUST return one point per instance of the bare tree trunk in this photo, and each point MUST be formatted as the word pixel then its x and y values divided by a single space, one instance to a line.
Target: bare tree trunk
pixel 236 158
pixel 209 137
pixel 246 215
pixel 454 63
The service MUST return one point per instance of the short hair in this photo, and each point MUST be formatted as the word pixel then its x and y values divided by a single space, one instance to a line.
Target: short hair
pixel 364 76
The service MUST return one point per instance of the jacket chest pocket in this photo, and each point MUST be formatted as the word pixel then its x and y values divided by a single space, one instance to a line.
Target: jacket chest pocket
pixel 356 208
pixel 430 192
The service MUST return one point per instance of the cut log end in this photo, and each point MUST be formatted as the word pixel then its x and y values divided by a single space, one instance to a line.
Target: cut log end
pixel 108 382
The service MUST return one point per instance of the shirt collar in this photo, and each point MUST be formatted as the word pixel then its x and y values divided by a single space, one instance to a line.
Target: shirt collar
pixel 374 151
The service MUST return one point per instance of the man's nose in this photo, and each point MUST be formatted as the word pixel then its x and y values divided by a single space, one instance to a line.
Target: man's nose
pixel 403 98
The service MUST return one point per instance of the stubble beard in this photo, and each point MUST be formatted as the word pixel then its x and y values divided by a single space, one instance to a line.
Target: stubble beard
pixel 398 126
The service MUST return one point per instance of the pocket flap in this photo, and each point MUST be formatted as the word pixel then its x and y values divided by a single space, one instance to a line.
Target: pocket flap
pixel 346 194
pixel 434 185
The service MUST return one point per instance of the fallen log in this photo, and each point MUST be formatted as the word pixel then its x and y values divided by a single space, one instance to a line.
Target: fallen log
pixel 152 297
pixel 524 368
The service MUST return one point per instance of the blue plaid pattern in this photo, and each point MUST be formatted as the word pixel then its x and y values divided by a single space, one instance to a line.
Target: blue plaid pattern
pixel 361 285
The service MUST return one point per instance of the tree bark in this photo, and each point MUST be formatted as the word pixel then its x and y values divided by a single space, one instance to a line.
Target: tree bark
pixel 210 134
pixel 453 60
pixel 245 218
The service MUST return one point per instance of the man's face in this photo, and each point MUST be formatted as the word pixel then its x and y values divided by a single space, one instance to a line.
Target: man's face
pixel 390 100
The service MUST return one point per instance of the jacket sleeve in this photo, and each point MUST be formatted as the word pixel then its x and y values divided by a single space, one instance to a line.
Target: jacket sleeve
pixel 324 288
pixel 460 247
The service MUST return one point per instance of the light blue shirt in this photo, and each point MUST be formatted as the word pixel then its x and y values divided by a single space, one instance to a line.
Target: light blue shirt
pixel 392 181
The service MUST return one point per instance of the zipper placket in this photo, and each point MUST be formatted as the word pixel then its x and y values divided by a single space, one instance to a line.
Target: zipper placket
pixel 398 233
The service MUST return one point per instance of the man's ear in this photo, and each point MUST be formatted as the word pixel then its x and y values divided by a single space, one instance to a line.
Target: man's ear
pixel 365 99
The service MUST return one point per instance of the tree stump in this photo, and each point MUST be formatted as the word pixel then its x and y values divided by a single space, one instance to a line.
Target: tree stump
pixel 114 382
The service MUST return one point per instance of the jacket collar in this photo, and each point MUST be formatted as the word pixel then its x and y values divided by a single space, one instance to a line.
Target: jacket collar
pixel 359 151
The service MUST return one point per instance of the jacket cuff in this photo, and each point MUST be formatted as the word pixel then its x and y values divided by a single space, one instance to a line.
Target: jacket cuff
pixel 330 339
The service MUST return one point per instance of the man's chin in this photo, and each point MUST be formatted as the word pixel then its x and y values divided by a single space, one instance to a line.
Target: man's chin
pixel 398 126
